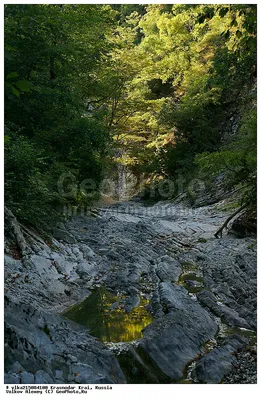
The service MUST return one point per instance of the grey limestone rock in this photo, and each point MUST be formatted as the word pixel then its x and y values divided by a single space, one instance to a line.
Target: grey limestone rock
pixel 214 365
pixel 61 234
pixel 27 377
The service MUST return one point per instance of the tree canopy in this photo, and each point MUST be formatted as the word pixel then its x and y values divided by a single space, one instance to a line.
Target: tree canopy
pixel 160 82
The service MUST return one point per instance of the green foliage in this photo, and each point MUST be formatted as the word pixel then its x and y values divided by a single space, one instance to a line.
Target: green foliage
pixel 181 84
pixel 237 161
pixel 51 71
pixel 26 190
pixel 16 87
pixel 149 86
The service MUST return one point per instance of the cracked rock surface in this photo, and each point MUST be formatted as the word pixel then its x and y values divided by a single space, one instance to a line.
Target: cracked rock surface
pixel 201 293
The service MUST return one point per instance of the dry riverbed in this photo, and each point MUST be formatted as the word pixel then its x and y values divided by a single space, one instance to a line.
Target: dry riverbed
pixel 133 294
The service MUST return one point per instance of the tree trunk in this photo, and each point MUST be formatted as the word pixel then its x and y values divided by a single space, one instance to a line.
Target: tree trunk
pixel 15 227
pixel 220 230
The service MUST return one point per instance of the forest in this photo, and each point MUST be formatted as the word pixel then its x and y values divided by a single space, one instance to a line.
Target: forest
pixel 130 139
pixel 168 91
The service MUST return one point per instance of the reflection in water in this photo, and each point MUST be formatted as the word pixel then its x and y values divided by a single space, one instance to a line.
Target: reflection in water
pixel 191 281
pixel 101 312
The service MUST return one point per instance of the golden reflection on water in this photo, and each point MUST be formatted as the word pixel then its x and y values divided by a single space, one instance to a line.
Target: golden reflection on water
pixel 109 325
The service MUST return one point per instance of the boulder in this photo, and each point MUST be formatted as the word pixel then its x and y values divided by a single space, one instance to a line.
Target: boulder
pixel 17 368
pixel 11 378
pixel 214 365
pixel 177 338
pixel 86 270
pixel 61 234
pixel 43 266
pixel 168 270
pixel 227 314
pixel 53 346
pixel 87 251
pixel 27 377
pixel 41 377
pixel 131 302
pixel 12 265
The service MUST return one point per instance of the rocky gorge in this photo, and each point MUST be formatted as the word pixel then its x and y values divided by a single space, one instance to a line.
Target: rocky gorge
pixel 133 294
